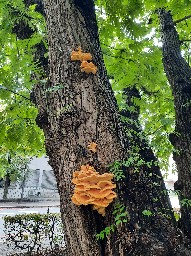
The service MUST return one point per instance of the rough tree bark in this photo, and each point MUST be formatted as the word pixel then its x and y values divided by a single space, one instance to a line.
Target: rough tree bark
pixel 83 109
pixel 179 76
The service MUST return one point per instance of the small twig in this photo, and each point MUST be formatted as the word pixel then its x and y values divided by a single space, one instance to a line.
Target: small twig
pixel 118 57
pixel 185 18
pixel 4 88
pixel 185 40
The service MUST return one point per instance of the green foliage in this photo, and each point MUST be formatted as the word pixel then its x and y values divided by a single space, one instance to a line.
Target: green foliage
pixel 115 168
pixel 105 232
pixel 19 133
pixel 129 35
pixel 134 162
pixel 186 202
pixel 177 216
pixel 130 40
pixel 16 166
pixel 147 213
pixel 120 216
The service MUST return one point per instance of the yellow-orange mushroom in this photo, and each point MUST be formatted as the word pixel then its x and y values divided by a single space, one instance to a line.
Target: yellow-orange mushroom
pixel 93 188
pixel 88 67
pixel 92 147
pixel 81 56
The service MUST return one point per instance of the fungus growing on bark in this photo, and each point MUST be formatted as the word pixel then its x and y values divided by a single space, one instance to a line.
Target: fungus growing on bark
pixel 81 56
pixel 92 147
pixel 93 188
pixel 88 67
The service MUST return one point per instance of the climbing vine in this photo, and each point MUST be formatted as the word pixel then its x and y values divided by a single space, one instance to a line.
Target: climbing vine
pixel 120 216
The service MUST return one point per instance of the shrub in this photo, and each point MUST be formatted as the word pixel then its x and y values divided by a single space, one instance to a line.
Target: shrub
pixel 33 234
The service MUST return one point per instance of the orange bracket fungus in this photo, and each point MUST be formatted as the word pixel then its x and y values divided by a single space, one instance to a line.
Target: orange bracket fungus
pixel 93 188
pixel 79 55
pixel 92 147
pixel 87 67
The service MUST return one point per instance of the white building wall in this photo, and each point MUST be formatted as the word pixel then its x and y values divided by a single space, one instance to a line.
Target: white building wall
pixel 40 182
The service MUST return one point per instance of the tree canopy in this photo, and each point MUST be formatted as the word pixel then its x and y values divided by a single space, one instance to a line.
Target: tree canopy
pixel 19 133
pixel 130 39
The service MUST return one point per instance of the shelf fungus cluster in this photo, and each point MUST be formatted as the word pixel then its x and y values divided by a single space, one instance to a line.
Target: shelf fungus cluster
pixel 87 67
pixel 93 188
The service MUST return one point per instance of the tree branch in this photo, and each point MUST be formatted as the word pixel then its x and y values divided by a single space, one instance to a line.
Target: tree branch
pixel 185 40
pixel 4 88
pixel 185 18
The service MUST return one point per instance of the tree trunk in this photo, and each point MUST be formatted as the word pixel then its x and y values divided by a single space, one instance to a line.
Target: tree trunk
pixel 6 186
pixel 179 74
pixel 75 109
pixel 22 186
pixel 7 179
pixel 83 111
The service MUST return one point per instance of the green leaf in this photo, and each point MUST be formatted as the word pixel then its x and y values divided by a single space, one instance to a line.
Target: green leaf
pixel 118 222
pixel 147 213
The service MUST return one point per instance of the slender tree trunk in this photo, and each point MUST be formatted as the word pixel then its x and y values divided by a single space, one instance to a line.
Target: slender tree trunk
pixel 75 109
pixel 179 76
pixel 6 186
pixel 7 180
pixel 23 183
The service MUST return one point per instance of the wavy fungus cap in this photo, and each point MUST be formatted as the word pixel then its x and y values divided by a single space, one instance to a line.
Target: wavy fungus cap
pixel 81 56
pixel 88 67
pixel 93 188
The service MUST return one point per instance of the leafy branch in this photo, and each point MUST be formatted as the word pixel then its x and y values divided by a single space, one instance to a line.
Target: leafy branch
pixel 182 19
pixel 120 216
pixel 5 88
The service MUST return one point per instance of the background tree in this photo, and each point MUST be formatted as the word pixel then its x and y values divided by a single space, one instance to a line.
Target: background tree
pixel 178 73
pixel 15 169
pixel 7 180
pixel 20 137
